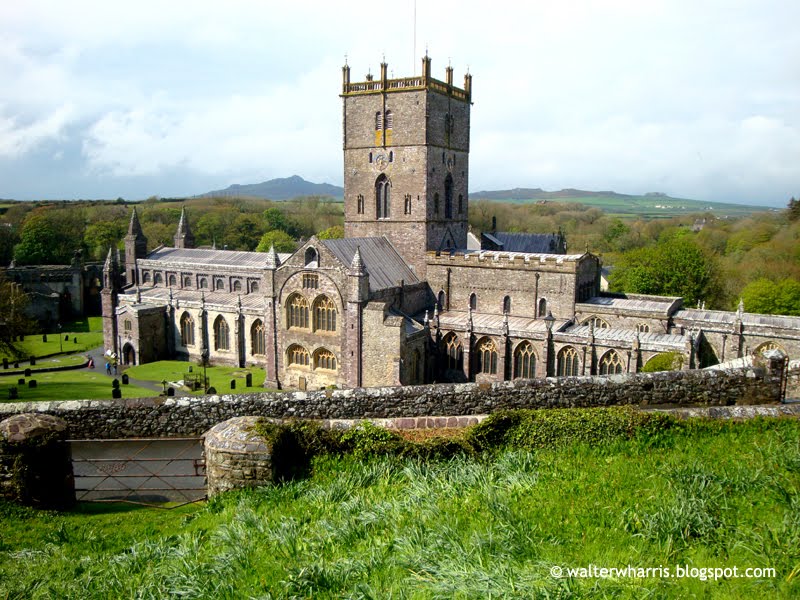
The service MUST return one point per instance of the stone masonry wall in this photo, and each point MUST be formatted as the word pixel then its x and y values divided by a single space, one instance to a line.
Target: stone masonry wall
pixel 165 417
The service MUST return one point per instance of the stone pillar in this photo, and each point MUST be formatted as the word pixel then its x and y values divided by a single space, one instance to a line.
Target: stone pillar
pixel 35 461
pixel 236 456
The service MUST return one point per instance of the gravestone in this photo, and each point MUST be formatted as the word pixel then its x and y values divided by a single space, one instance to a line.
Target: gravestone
pixel 5 363
pixel 44 338
pixel 13 393
pixel 66 338
pixel 124 379
pixel 32 361
pixel 115 384
pixel 75 340
pixel 248 380
pixel 28 372
pixel 21 381
pixel 116 393
pixel 233 384
pixel 32 383
pixel 170 391
pixel 212 390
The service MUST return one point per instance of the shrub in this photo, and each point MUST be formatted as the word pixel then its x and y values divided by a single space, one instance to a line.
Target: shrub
pixel 666 361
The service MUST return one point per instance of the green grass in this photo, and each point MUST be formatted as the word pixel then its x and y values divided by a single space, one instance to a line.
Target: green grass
pixel 32 345
pixel 219 377
pixel 80 384
pixel 61 360
pixel 717 495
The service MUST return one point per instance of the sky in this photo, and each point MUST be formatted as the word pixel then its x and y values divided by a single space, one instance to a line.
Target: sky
pixel 693 98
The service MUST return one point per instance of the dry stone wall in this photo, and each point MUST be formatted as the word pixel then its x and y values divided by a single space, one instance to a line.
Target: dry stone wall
pixel 166 417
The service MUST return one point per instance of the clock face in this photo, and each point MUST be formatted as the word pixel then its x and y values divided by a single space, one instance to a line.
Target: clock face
pixel 381 161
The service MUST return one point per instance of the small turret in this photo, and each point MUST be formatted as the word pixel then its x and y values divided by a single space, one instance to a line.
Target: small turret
pixel 135 248
pixel 184 237
pixel 273 260
pixel 359 278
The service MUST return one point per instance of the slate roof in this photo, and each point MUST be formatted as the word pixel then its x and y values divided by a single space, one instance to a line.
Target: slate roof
pixel 212 257
pixel 751 319
pixel 228 300
pixel 608 334
pixel 537 243
pixel 659 305
pixel 481 322
pixel 383 264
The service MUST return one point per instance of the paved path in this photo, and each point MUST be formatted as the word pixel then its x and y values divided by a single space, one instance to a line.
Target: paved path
pixel 100 367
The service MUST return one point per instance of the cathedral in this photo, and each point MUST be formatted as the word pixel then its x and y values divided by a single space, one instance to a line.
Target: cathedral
pixel 409 295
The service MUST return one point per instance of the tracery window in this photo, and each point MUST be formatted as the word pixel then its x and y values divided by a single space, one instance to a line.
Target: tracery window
pixel 221 334
pixel 187 329
pixel 524 361
pixel 257 338
pixel 297 356
pixel 568 364
pixel 310 281
pixel 487 357
pixel 297 312
pixel 454 351
pixel 597 321
pixel 324 314
pixel 324 359
pixel 610 363
pixel 643 328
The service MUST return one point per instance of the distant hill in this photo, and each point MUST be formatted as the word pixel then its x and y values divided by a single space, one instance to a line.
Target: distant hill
pixel 649 205
pixel 279 189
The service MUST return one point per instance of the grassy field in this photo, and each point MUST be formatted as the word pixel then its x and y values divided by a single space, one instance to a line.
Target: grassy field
pixel 88 332
pixel 218 377
pixel 709 496
pixel 650 207
pixel 80 384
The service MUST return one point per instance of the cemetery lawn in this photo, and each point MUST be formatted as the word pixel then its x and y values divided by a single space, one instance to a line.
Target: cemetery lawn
pixel 717 495
pixel 68 385
pixel 88 332
pixel 219 377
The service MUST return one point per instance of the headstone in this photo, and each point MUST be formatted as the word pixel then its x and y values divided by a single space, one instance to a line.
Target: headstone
pixel 21 381
pixel 5 363
pixel 66 338
pixel 124 379
pixel 212 390
pixel 190 368
pixel 116 393
pixel 248 380
pixel 13 393
pixel 75 339
pixel 16 365
pixel 32 361
pixel 44 338
pixel 115 384
pixel 170 391
pixel 233 384
pixel 28 372
pixel 32 383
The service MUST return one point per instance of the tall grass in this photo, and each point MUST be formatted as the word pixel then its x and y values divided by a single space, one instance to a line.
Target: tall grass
pixel 465 527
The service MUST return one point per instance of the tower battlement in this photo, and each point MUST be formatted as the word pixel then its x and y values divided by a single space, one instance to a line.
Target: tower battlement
pixel 404 84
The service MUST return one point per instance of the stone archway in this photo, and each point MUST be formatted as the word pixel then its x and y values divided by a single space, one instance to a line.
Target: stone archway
pixel 128 354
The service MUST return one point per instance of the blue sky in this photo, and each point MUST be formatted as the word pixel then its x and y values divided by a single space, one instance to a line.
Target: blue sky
pixel 696 99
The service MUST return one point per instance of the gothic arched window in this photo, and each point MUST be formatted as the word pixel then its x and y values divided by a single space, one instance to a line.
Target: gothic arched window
pixel 597 322
pixel 221 334
pixel 389 120
pixel 312 257
pixel 542 307
pixel 172 280
pixel 187 329
pixel 158 279
pixel 440 300
pixel 203 283
pixel 455 355
pixel 257 340
pixel 324 314
pixel 448 197
pixel 487 357
pixel 473 301
pixel 219 285
pixel 610 363
pixel 324 359
pixel 524 361
pixel 297 312
pixel 383 203
pixel 568 364
pixel 297 356
pixel 237 286
pixel 507 305
pixel 378 121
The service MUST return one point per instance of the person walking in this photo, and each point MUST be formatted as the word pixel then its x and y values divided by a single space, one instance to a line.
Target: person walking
pixel 108 368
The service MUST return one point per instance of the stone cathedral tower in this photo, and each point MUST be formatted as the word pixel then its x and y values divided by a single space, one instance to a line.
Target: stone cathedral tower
pixel 406 161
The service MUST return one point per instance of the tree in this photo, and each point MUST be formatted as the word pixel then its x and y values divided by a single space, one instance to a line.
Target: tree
pixel 13 304
pixel 282 241
pixel 769 297
pixel 675 266
pixel 49 237
pixel 794 209
pixel 274 218
pixel 331 233
pixel 101 236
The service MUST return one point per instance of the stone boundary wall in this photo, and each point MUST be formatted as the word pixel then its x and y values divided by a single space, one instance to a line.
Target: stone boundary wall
pixel 172 417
